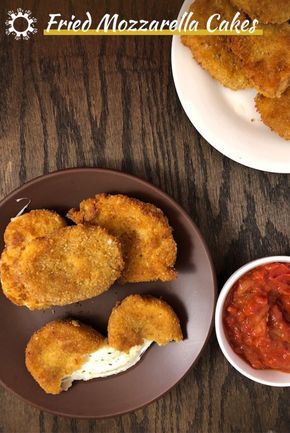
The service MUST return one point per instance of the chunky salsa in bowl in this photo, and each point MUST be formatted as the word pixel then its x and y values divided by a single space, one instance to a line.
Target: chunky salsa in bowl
pixel 253 320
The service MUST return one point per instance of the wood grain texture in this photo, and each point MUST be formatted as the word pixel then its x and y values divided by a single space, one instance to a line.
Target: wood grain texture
pixel 111 102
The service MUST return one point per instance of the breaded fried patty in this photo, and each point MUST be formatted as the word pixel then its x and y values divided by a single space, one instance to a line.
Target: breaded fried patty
pixel 18 233
pixel 213 52
pixel 34 224
pixel 275 113
pixel 141 317
pixel 266 59
pixel 70 265
pixel 57 350
pixel 266 11
pixel 149 249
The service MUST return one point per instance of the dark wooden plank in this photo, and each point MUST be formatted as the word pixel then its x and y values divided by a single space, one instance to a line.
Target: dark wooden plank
pixel 111 102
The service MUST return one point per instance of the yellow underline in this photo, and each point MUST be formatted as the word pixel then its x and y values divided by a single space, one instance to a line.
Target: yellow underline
pixel 257 32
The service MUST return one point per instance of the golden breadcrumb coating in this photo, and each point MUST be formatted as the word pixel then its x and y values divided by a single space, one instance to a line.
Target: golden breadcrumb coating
pixel 213 52
pixel 266 11
pixel 11 282
pixel 149 249
pixel 57 350
pixel 31 225
pixel 142 317
pixel 266 59
pixel 70 265
pixel 275 113
pixel 18 233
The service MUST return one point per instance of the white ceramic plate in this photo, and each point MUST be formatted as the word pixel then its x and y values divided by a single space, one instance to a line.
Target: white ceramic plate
pixel 227 119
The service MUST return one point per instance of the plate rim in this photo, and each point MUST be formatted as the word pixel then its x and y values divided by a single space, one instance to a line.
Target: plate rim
pixel 212 269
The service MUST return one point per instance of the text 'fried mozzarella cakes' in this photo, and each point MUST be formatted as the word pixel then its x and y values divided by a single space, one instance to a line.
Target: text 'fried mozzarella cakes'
pixel 266 59
pixel 66 350
pixel 68 265
pixel 266 11
pixel 138 318
pixel 275 113
pixel 148 247
pixel 213 52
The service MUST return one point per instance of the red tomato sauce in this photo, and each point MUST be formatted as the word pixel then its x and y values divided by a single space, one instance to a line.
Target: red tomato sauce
pixel 256 317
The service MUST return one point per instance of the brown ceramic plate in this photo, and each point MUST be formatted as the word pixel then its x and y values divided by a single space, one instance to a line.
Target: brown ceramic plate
pixel 192 296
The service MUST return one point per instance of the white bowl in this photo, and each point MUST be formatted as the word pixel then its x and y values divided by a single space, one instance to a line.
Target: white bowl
pixel 266 377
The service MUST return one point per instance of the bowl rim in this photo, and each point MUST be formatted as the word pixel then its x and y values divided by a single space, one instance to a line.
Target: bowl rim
pixel 226 348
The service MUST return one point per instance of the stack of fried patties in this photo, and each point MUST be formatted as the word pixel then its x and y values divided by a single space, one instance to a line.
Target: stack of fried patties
pixel 240 62
pixel 47 262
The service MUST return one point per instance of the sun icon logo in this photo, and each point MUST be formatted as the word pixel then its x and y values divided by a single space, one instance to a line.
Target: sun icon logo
pixel 22 17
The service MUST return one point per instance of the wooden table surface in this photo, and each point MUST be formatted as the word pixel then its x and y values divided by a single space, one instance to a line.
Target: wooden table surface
pixel 111 102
